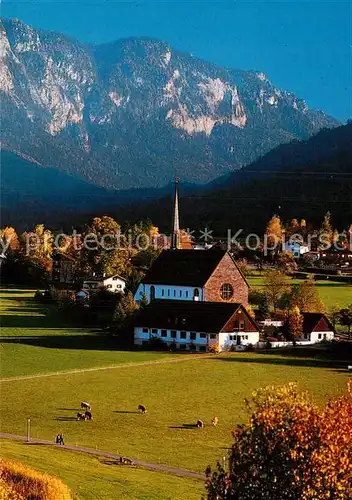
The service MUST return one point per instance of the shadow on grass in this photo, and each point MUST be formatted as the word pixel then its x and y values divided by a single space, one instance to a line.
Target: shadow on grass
pixel 65 419
pixel 96 342
pixel 336 356
pixel 68 409
pixel 42 320
pixel 126 411
pixel 109 462
pixel 184 426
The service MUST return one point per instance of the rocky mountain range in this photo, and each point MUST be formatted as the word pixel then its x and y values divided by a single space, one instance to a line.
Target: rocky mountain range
pixel 135 112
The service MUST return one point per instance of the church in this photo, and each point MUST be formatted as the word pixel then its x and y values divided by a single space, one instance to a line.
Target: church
pixel 184 287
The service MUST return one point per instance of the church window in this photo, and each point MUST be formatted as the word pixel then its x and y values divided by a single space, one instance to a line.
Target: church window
pixel 226 291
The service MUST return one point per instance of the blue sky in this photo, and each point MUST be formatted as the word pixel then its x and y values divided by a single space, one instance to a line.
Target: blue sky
pixel 304 47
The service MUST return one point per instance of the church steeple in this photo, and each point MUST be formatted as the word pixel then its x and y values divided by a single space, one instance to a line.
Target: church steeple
pixel 175 235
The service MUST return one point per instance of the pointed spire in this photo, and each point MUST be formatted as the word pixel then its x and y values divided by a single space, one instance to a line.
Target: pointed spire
pixel 175 235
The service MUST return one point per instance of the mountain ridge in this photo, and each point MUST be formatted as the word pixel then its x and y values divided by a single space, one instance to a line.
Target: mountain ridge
pixel 136 112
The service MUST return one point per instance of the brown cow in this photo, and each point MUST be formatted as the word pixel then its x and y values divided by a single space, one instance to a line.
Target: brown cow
pixel 81 416
pixel 215 421
pixel 200 424
pixel 88 415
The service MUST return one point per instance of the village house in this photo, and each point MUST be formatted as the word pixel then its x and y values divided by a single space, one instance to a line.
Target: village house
pixel 115 284
pixel 316 327
pixel 189 325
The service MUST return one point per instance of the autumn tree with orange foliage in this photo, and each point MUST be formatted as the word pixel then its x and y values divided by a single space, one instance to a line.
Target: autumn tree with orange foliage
pixel 290 450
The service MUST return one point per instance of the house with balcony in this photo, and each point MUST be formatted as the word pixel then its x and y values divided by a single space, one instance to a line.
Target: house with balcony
pixel 195 325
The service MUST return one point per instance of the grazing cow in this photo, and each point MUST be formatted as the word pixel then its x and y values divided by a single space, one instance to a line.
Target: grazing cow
pixel 81 416
pixel 142 409
pixel 215 421
pixel 88 415
pixel 85 406
pixel 200 424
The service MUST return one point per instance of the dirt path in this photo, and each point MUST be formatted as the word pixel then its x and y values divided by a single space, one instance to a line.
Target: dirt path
pixel 111 367
pixel 98 453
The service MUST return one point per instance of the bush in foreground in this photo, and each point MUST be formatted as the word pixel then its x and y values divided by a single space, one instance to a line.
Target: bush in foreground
pixel 19 482
pixel 290 450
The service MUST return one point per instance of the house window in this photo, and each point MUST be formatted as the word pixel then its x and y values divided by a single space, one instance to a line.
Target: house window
pixel 108 286
pixel 115 278
pixel 233 337
pixel 162 292
pixel 212 336
pixel 183 321
pixel 183 335
pixel 192 335
pixel 226 291
pixel 186 293
pixel 196 294
pixel 173 334
pixel 202 335
pixel 155 331
pixel 145 330
pixel 246 337
pixel 118 286
pixel 164 333
pixel 168 293
pixel 152 292
pixel 242 325
pixel 319 336
pixel 180 293
pixel 174 293
pixel 324 336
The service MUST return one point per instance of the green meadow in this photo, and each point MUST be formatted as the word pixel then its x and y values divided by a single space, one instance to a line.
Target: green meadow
pixel 175 394
pixel 331 292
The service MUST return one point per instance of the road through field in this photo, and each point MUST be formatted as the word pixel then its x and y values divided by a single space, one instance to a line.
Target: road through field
pixel 100 368
pixel 156 467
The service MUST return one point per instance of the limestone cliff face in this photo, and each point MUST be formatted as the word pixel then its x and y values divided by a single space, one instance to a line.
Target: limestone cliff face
pixel 134 112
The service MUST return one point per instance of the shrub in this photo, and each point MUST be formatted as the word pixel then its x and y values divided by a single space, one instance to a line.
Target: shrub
pixel 19 482
pixel 214 348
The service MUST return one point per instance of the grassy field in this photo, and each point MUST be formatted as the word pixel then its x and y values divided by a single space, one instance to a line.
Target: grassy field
pixel 39 341
pixel 91 478
pixel 175 394
pixel 331 293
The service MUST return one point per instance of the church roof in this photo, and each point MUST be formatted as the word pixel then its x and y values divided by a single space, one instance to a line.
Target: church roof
pixel 207 317
pixel 184 267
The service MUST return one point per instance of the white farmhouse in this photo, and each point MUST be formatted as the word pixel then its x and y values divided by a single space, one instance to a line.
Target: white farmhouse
pixel 316 327
pixel 113 283
pixel 195 325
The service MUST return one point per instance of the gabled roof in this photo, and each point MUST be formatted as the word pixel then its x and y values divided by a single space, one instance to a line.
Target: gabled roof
pixel 113 276
pixel 310 321
pixel 207 317
pixel 184 267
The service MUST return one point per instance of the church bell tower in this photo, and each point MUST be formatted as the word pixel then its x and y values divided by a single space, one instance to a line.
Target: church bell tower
pixel 175 235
